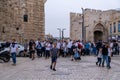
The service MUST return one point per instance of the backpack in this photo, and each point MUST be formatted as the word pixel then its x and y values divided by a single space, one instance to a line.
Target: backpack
pixel 39 46
pixel 80 46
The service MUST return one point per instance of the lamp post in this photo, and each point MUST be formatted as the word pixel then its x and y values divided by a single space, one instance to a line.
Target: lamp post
pixel 59 32
pixel 63 33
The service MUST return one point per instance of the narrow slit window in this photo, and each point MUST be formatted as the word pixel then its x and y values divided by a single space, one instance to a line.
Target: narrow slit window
pixel 25 18
pixel 3 30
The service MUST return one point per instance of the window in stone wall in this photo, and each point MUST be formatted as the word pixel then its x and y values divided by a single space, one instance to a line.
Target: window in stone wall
pixel 3 30
pixel 118 26
pixel 25 18
pixel 110 29
pixel 114 27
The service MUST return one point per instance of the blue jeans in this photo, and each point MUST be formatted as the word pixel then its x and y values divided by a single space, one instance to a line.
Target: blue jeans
pixel 109 61
pixel 94 51
pixel 13 57
pixel 105 58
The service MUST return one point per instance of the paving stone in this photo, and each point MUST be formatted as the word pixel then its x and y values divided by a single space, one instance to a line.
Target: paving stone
pixel 38 69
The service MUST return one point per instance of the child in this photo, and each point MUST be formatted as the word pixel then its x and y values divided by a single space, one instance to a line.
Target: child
pixel 109 57
pixel 76 54
pixel 99 58
pixel 65 50
pixel 54 54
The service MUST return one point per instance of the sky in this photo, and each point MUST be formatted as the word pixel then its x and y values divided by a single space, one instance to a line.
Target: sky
pixel 57 12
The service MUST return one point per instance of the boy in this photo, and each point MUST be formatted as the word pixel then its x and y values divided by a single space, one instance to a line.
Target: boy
pixel 54 54
pixel 99 58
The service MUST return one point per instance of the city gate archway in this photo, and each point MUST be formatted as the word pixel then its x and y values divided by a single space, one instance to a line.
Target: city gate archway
pixel 100 33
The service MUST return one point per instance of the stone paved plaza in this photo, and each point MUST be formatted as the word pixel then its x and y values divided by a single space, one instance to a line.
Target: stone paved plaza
pixel 38 69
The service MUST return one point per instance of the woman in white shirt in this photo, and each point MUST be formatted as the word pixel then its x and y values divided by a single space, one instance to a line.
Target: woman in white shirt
pixel 109 57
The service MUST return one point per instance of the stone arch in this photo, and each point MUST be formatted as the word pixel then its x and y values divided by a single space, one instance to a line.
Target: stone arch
pixel 100 32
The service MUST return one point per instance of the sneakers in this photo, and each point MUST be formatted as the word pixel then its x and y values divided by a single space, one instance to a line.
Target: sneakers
pixel 102 65
pixel 99 65
pixel 14 64
pixel 96 63
pixel 71 59
pixel 51 67
pixel 108 67
pixel 54 69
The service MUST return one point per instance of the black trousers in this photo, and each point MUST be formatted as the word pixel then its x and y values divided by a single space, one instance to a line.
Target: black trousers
pixel 47 53
pixel 39 52
pixel 99 61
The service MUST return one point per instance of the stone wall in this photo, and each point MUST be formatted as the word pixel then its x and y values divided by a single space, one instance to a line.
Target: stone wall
pixel 75 26
pixel 92 19
pixel 12 23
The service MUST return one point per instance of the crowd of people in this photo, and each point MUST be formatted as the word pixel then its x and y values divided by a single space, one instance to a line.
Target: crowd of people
pixel 69 48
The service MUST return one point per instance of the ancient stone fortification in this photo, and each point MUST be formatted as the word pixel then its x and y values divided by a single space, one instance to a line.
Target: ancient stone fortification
pixel 97 24
pixel 22 19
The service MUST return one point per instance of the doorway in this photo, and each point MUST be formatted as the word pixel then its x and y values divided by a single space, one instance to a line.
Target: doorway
pixel 98 35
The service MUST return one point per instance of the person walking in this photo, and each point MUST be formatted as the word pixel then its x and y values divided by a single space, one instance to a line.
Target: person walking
pixel 47 49
pixel 43 48
pixel 54 54
pixel 87 48
pixel 39 48
pixel 13 51
pixel 32 49
pixel 94 49
pixel 99 58
pixel 105 54
pixel 26 47
pixel 109 57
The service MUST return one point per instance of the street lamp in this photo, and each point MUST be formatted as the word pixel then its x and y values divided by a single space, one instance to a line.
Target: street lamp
pixel 63 33
pixel 59 32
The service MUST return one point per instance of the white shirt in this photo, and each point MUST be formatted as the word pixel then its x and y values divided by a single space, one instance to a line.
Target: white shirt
pixel 109 52
pixel 69 44
pixel 58 45
pixel 76 44
pixel 100 55
pixel 13 49
pixel 43 44
pixel 111 45
pixel 64 44
pixel 47 46
pixel 36 43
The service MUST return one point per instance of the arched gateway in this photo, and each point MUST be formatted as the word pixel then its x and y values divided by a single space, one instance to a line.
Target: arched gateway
pixel 100 33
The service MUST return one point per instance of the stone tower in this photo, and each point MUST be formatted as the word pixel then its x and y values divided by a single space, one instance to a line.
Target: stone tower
pixel 22 19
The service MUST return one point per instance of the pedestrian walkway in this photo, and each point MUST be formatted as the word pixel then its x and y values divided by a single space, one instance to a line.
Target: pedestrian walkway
pixel 38 69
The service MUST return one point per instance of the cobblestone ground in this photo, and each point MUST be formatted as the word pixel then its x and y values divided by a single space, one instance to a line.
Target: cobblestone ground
pixel 38 69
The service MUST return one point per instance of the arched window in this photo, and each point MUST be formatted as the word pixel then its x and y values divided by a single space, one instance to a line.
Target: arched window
pixel 114 27
pixel 110 28
pixel 118 26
